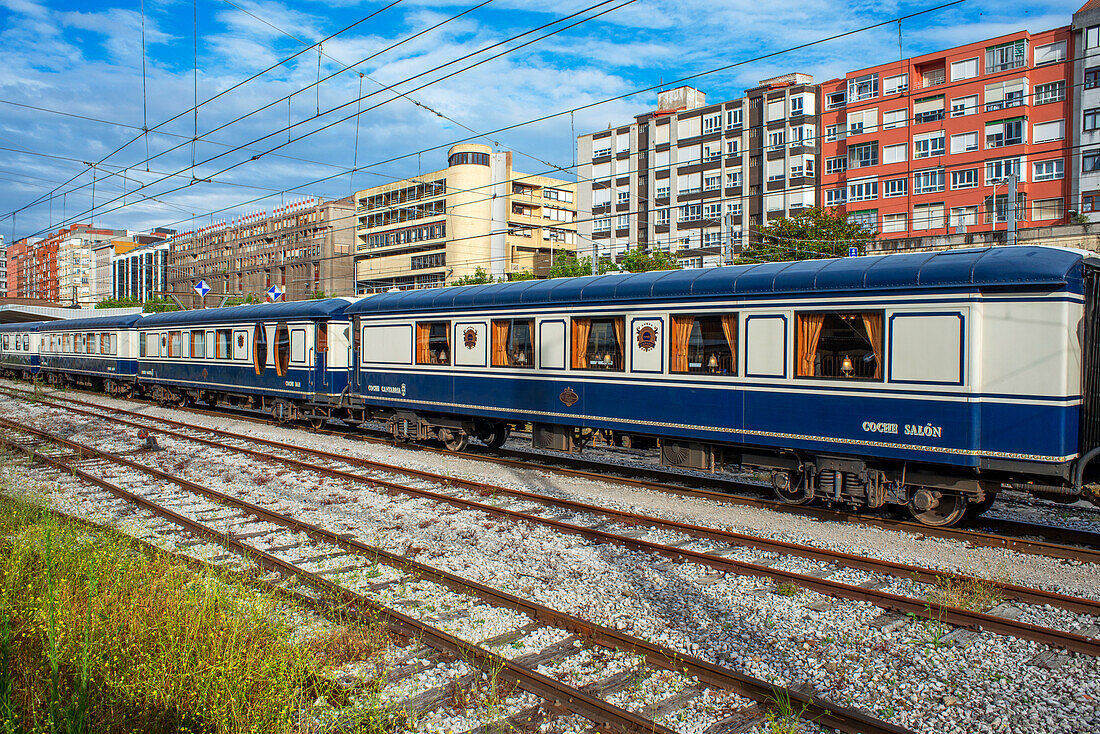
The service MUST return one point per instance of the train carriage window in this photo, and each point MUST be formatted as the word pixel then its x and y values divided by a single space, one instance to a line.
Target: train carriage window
pixel 112 344
pixel 7 342
pixel 703 343
pixel 104 343
pixel 223 343
pixel 298 346
pixel 141 345
pixel 322 337
pixel 513 343
pixel 282 349
pixel 433 342
pixel 68 343
pixel 163 345
pixel 209 339
pixel 259 349
pixel 198 345
pixel 598 344
pixel 83 344
pixel 840 345
pixel 175 344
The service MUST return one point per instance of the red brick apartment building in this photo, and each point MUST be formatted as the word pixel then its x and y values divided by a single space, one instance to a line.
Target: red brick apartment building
pixel 921 146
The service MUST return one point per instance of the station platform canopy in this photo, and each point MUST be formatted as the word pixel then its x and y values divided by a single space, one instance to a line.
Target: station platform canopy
pixel 22 310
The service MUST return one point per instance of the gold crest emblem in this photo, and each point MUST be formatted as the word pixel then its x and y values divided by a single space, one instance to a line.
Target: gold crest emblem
pixel 469 338
pixel 569 397
pixel 647 337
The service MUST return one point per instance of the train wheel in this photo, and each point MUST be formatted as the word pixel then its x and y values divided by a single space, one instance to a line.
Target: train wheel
pixel 454 440
pixel 932 507
pixel 974 510
pixel 791 492
pixel 496 437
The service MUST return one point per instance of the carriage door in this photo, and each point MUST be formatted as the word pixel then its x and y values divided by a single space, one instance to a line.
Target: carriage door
pixel 318 376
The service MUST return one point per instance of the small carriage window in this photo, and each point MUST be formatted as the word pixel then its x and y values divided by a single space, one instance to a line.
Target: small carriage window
pixel 298 346
pixel 223 342
pixel 141 345
pixel 112 343
pixel 513 343
pixel 104 343
pixel 6 341
pixel 175 344
pixel 163 345
pixel 282 349
pixel 704 344
pixel 69 342
pixel 598 344
pixel 840 345
pixel 433 342
pixel 259 349
pixel 322 337
pixel 198 345
pixel 83 344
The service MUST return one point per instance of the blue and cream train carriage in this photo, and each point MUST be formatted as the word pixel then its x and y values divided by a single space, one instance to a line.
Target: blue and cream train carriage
pixel 19 350
pixel 924 380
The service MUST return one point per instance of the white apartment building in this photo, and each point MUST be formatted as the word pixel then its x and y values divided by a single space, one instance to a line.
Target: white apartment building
pixel 694 179
pixel 1085 177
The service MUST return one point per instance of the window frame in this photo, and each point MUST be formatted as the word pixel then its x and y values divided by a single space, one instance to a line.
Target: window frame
pixel 509 354
pixel 704 369
pixel 422 353
pixel 576 357
pixel 880 353
pixel 200 342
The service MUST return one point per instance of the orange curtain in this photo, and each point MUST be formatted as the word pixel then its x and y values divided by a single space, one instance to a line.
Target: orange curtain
pixel 729 328
pixel 322 337
pixel 809 331
pixel 581 328
pixel 423 354
pixel 873 323
pixel 681 334
pixel 501 358
pixel 620 334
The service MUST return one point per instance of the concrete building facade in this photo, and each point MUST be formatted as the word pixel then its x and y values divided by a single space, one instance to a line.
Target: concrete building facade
pixel 694 179
pixel 477 213
pixel 927 145
pixel 304 247
pixel 140 272
pixel 1085 166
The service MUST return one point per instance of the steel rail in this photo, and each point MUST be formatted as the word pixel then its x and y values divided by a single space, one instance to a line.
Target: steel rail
pixel 814 708
pixel 920 608
pixel 874 565
pixel 1088 550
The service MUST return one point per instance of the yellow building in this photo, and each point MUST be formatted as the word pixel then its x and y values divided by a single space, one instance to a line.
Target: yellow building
pixel 477 213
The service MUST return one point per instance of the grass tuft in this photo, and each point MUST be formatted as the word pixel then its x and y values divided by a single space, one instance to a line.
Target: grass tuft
pixel 975 594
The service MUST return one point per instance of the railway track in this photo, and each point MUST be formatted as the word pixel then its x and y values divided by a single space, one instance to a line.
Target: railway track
pixel 614 526
pixel 287 545
pixel 1034 538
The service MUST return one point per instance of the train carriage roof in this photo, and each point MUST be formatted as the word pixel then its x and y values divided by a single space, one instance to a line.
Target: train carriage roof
pixel 1020 266
pixel 20 327
pixel 318 309
pixel 91 323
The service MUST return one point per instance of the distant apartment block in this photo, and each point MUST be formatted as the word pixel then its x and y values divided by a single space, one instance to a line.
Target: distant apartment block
pixel 478 212
pixel 927 145
pixel 304 247
pixel 140 273
pixel 695 179
pixel 1085 168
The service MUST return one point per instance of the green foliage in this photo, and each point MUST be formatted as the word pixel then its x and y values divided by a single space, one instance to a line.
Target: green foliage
pixel 1079 218
pixel 249 298
pixel 153 305
pixel 319 295
pixel 567 265
pixel 480 277
pixel 521 275
pixel 640 261
pixel 808 235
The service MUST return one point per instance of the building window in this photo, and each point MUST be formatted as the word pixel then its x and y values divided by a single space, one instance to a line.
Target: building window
pixel 601 152
pixel 964 142
pixel 513 343
pixel 927 145
pixel 1050 53
pixel 775 139
pixel 733 208
pixel 1001 169
pixel 703 344
pixel 964 106
pixel 1006 56
pixel 1092 77
pixel 691 212
pixel 558 195
pixel 433 342
pixel 598 344
pixel 712 123
pixel 1004 210
pixel 895 187
pixel 927 216
pixel 897 84
pixel 1053 92
pixel 663 190
pixel 439 259
pixel 839 346
pixel 1090 161
pixel 622 196
pixel 928 109
pixel 467 158
pixel 893 222
pixel 1004 95
pixel 710 183
pixel 834 133
pixel 733 118
pixel 834 100
pixel 733 146
pixel 1090 202
pixel 864 190
pixel 966 178
pixel 966 69
pixel 1006 132
pixel 928 182
pixel 622 221
pixel 895 153
pixel 1047 209
pixel 1046 132
pixel 1047 170
pixel 601 224
pixel 733 179
pixel 894 118
pixel 835 197
pixel 868 219
pixel 862 155
pixel 712 151
pixel 1091 119
pixel 662 217
pixel 863 87
pixel 838 164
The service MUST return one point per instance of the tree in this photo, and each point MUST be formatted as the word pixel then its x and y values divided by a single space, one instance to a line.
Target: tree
pixel 812 233
pixel 318 295
pixel 568 265
pixel 153 305
pixel 521 275
pixel 480 277
pixel 250 298
pixel 640 261
pixel 118 303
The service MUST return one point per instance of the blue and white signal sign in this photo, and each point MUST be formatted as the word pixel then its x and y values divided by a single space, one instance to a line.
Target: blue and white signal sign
pixel 275 292
pixel 853 251
pixel 202 288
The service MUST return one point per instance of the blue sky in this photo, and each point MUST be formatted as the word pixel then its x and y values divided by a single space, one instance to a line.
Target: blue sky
pixel 86 59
